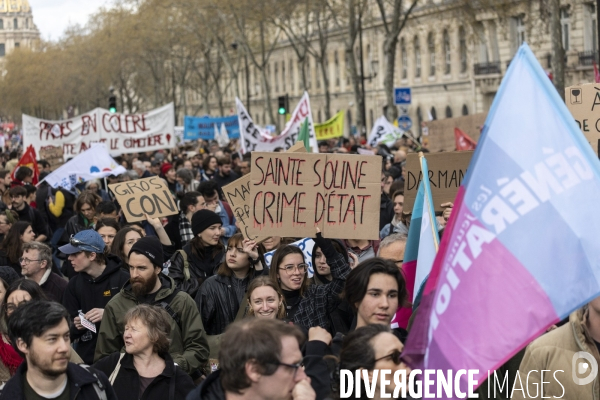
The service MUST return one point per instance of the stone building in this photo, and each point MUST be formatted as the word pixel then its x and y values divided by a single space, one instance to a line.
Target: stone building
pixel 452 59
pixel 16 26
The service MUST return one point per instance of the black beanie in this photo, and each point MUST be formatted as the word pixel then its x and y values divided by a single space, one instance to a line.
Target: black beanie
pixel 150 247
pixel 203 219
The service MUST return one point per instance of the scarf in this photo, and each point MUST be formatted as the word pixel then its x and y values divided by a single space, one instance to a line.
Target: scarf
pixel 185 229
pixel 9 357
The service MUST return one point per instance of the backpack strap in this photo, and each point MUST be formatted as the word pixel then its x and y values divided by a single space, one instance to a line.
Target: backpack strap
pixel 166 305
pixel 98 386
pixel 228 211
pixel 115 372
pixel 186 264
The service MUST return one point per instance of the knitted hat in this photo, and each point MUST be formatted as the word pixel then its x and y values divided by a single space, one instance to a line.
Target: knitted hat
pixel 203 219
pixel 151 248
pixel 165 168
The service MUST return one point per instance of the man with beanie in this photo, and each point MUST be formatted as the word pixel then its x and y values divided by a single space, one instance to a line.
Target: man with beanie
pixel 98 278
pixel 201 257
pixel 148 285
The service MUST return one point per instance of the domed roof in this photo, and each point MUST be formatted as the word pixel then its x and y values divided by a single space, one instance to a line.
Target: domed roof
pixel 14 6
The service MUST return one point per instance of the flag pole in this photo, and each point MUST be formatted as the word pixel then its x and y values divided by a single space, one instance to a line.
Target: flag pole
pixel 427 194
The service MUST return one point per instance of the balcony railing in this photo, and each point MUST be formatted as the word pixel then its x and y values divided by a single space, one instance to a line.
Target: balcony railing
pixel 587 58
pixel 487 68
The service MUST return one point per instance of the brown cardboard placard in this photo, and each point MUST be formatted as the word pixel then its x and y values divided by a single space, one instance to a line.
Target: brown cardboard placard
pixel 440 132
pixel 291 194
pixel 147 195
pixel 237 195
pixel 584 103
pixel 52 154
pixel 446 172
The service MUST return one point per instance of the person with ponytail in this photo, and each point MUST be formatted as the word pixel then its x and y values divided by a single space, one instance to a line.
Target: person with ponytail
pixel 179 227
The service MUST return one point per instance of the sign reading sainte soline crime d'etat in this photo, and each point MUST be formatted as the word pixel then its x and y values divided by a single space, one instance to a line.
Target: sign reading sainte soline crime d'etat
pixel 291 194
pixel 149 196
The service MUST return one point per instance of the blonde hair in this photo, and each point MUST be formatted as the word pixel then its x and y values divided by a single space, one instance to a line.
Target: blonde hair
pixel 261 281
pixel 158 323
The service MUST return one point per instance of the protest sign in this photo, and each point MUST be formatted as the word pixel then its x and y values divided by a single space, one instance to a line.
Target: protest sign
pixel 292 193
pixel 446 172
pixel 204 127
pixel 334 128
pixel 144 196
pixel 441 131
pixel 254 140
pixel 237 195
pixel 52 154
pixel 383 132
pixel 94 163
pixel 306 245
pixel 584 103
pixel 122 133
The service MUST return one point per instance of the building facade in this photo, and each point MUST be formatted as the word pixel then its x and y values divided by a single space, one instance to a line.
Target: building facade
pixel 16 26
pixel 452 59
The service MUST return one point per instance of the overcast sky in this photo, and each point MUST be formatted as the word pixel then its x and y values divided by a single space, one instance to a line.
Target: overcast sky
pixel 53 16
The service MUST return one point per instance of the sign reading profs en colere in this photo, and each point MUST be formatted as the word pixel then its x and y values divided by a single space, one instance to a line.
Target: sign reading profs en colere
pixel 144 196
pixel 291 194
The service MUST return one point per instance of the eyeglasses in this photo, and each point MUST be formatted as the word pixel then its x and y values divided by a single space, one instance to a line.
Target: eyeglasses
pixel 290 269
pixel 395 356
pixel 299 364
pixel 26 261
pixel 79 243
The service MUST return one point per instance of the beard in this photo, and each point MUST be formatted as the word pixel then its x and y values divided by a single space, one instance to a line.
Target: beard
pixel 141 287
pixel 45 366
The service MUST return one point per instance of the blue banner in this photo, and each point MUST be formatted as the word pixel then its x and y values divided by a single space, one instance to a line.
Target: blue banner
pixel 204 127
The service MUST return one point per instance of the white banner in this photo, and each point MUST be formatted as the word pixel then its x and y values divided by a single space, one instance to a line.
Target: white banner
pixel 122 133
pixel 306 245
pixel 94 163
pixel 254 140
pixel 384 132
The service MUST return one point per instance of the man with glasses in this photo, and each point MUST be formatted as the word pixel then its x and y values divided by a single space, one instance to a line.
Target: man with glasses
pixel 259 359
pixel 98 279
pixel 36 264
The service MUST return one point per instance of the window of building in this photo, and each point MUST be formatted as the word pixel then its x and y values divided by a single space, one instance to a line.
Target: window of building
pixel 17 44
pixel 283 77
pixel 590 36
pixel 433 113
pixel 291 72
pixel 2 50
pixel 447 53
pixel 517 32
pixel 336 65
pixel 404 58
pixel 15 23
pixel 1 24
pixel 462 44
pixel 319 116
pixel 565 24
pixel 27 23
pixel 317 74
pixel 448 112
pixel 465 110
pixel 256 85
pixel 419 119
pixel 417 57
pixel 349 115
pixel 276 77
pixel 431 49
pixel 371 117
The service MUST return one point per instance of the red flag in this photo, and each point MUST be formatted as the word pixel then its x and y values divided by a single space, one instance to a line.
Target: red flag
pixel 596 73
pixel 463 141
pixel 28 160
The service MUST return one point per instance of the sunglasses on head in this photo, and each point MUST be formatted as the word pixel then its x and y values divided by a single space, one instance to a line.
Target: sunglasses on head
pixel 394 355
pixel 78 243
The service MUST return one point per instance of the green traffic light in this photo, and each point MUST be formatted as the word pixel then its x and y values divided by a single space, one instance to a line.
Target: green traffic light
pixel 281 110
pixel 113 110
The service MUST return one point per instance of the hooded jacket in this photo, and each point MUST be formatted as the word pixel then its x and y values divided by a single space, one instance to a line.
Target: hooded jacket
pixel 172 380
pixel 555 351
pixel 85 293
pixel 189 346
pixel 201 268
pixel 219 298
pixel 209 389
pixel 80 381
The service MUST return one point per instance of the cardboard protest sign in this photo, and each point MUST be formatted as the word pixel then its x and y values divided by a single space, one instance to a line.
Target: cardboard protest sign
pixel 584 103
pixel 440 132
pixel 237 195
pixel 122 133
pixel 446 172
pixel 292 193
pixel 52 154
pixel 144 196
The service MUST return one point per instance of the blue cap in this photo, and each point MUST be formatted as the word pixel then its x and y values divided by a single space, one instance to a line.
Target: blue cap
pixel 87 240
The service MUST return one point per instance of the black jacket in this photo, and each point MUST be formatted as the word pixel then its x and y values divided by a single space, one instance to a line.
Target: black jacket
pixel 76 224
pixel 173 383
pixel 209 389
pixel 85 293
pixel 81 384
pixel 33 216
pixel 219 298
pixel 386 211
pixel 200 268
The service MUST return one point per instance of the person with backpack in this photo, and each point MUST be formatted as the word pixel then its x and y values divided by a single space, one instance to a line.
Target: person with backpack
pixel 39 331
pixel 201 257
pixel 148 285
pixel 98 278
pixel 210 190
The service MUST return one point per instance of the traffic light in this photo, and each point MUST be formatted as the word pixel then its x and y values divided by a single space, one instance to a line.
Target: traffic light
pixel 112 103
pixel 282 102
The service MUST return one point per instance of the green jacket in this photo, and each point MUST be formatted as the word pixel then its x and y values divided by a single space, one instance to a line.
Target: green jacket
pixel 189 346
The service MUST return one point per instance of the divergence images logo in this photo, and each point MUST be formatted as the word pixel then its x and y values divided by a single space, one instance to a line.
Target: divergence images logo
pixel 581 367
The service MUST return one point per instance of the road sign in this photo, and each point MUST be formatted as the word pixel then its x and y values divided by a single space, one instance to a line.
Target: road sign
pixel 403 110
pixel 404 122
pixel 402 95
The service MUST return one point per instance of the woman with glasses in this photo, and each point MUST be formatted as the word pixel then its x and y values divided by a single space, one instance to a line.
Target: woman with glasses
pixel 11 248
pixel 372 347
pixel 308 305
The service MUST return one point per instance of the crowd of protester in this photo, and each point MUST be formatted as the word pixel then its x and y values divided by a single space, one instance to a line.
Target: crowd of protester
pixel 97 307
